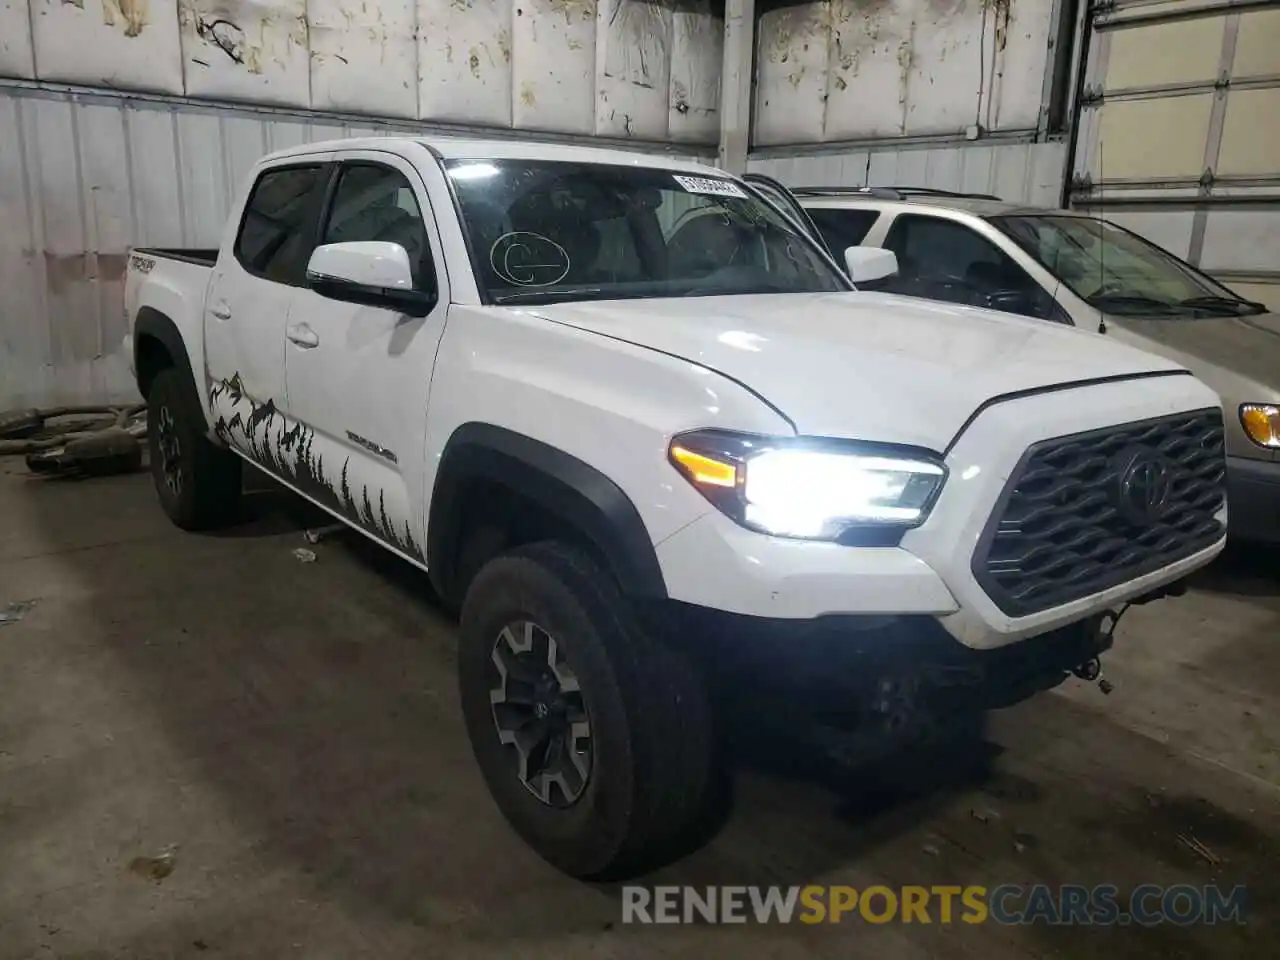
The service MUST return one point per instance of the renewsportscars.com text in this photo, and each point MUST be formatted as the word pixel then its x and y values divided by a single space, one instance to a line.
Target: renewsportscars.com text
pixel 1066 905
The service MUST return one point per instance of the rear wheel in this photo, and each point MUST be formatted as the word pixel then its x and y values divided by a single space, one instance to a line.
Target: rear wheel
pixel 198 483
pixel 594 738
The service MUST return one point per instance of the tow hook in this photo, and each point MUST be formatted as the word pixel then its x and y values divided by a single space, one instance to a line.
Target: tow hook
pixel 1105 626
pixel 1091 671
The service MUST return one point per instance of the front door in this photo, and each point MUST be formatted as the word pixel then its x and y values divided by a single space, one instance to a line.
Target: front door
pixel 248 302
pixel 358 377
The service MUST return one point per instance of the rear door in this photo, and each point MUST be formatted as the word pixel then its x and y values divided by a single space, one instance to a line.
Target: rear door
pixel 358 377
pixel 1178 133
pixel 248 299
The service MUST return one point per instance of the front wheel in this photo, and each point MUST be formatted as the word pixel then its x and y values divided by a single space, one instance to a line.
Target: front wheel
pixel 594 738
pixel 198 483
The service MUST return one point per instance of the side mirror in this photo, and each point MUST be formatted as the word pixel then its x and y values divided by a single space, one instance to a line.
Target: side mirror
pixel 368 272
pixel 868 264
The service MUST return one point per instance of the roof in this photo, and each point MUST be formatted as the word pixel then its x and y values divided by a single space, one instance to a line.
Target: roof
pixel 458 148
pixel 976 204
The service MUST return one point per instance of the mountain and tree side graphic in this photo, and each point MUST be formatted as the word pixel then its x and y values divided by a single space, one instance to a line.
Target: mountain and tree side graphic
pixel 287 455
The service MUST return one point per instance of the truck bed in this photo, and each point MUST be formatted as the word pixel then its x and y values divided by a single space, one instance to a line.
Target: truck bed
pixel 200 256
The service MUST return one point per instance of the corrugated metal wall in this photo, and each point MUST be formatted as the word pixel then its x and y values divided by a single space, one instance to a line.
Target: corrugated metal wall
pixel 84 177
pixel 627 68
pixel 1020 172
pixel 832 70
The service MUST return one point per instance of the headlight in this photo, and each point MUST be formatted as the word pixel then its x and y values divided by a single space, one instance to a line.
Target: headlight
pixel 1261 422
pixel 816 490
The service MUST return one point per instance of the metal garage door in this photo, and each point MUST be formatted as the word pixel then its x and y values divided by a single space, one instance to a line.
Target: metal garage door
pixel 1179 132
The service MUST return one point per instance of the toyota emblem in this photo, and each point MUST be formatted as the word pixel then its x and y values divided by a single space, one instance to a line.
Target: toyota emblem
pixel 1144 487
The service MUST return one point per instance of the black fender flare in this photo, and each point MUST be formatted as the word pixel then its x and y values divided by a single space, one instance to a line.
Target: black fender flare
pixel 156 325
pixel 568 488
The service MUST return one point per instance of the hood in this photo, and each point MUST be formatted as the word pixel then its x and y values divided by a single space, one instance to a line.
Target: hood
pixel 1246 347
pixel 867 366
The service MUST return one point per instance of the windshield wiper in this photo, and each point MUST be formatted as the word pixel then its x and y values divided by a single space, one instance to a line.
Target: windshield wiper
pixel 1228 303
pixel 1107 300
pixel 730 290
pixel 548 296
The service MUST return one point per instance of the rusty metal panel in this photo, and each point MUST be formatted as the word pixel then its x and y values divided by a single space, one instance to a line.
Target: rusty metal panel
pixel 864 69
pixel 791 68
pixel 15 40
pixel 553 46
pixel 364 56
pixel 129 44
pixel 24 334
pixel 205 190
pixel 464 61
pixel 633 54
pixel 697 49
pixel 643 69
pixel 246 50
pixel 70 302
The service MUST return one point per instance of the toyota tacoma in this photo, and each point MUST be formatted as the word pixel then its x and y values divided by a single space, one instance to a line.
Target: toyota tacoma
pixel 639 429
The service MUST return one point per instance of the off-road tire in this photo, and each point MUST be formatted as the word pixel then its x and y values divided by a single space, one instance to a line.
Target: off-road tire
pixel 654 763
pixel 211 477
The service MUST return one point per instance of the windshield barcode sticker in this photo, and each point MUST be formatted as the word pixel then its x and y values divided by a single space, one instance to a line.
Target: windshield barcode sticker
pixel 714 188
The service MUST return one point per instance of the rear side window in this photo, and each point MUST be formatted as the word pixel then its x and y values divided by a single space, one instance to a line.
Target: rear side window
pixel 278 226
pixel 842 228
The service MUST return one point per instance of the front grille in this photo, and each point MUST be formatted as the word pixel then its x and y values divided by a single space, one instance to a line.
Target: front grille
pixel 1094 510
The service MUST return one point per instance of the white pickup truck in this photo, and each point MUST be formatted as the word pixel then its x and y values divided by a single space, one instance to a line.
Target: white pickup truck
pixel 634 443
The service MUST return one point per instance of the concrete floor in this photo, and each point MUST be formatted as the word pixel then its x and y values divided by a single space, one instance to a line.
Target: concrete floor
pixel 289 734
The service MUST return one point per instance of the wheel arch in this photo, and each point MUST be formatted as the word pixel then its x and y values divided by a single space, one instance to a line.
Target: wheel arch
pixel 157 344
pixel 596 511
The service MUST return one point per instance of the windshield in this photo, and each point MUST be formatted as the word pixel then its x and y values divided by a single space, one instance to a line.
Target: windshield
pixel 549 231
pixel 1118 271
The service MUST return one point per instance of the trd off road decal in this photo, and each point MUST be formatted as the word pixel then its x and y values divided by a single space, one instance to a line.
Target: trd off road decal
pixel 287 454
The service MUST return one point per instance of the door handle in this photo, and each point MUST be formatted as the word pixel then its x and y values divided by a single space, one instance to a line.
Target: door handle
pixel 221 311
pixel 302 335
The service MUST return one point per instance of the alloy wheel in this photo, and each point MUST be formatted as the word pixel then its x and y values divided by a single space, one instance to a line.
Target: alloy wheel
pixel 539 713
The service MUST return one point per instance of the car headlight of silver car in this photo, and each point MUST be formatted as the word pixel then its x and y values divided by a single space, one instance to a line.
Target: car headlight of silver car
pixel 809 489
pixel 1261 422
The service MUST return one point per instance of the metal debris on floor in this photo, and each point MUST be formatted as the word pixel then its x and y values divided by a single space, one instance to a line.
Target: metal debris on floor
pixel 76 441
pixel 316 534
pixel 13 612
pixel 157 868
pixel 1199 849
pixel 305 555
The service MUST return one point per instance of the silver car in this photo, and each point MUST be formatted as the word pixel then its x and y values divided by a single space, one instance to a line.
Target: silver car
pixel 1066 267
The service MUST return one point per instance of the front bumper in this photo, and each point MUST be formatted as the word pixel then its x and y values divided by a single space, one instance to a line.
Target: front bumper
pixel 836 663
pixel 1253 493
pixel 714 563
